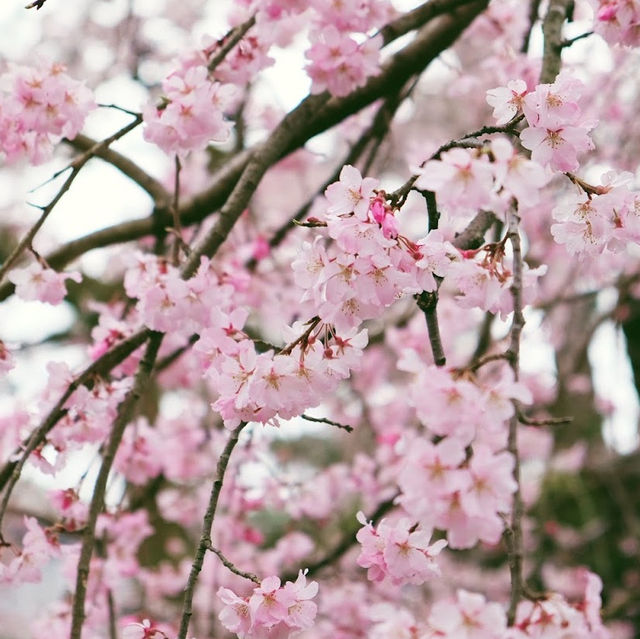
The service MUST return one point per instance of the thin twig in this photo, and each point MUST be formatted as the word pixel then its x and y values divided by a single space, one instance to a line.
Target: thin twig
pixel 236 571
pixel 229 41
pixel 400 194
pixel 76 165
pixel 177 227
pixel 479 363
pixel 545 421
pixel 125 413
pixel 205 538
pixel 567 43
pixel 514 532
pixel 324 420
pixel 312 323
pixel 10 472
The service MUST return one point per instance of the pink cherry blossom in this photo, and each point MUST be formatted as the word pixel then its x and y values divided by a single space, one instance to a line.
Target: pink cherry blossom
pixel 351 194
pixel 507 101
pixel 338 63
pixel 461 181
pixel 37 282
pixel 469 616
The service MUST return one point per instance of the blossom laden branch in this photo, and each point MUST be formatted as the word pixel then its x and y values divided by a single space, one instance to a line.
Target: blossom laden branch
pixel 10 473
pixel 411 60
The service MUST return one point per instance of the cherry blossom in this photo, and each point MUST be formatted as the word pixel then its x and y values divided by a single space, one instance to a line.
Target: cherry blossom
pixel 338 63
pixel 37 282
pixel 273 609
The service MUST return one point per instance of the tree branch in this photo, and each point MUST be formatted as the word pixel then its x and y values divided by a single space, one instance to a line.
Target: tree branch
pixel 552 30
pixel 75 166
pixel 10 472
pixel 514 533
pixel 205 538
pixel 125 413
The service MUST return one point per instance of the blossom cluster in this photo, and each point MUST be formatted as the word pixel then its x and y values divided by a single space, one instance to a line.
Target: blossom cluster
pixel 400 551
pixel 617 21
pixel 554 616
pixel 469 488
pixel 339 64
pixel 598 219
pixel 467 496
pixel 369 265
pixel 558 131
pixel 272 610
pixel 38 107
pixel 251 385
pixel 466 180
pixel 39 546
pixel 39 282
pixel 191 113
pixel 483 279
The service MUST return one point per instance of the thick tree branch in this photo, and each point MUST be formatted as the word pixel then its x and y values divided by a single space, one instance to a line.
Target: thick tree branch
pixel 552 30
